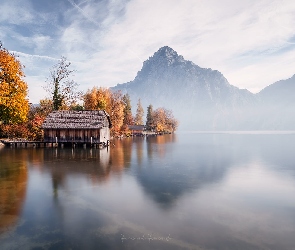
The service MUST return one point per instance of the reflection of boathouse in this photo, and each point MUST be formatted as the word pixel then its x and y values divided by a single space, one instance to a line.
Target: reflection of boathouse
pixel 77 127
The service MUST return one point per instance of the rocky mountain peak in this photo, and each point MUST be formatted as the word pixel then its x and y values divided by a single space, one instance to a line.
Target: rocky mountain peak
pixel 163 60
pixel 165 56
pixel 166 52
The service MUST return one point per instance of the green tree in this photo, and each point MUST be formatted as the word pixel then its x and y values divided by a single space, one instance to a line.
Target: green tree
pixel 149 118
pixel 14 105
pixel 128 119
pixel 139 114
pixel 63 89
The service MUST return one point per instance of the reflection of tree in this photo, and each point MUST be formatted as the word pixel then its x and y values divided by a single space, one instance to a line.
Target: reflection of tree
pixel 13 183
pixel 58 179
pixel 156 144
pixel 138 141
pixel 121 153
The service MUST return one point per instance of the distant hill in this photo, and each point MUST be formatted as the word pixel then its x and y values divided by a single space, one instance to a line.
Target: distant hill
pixel 279 93
pixel 277 105
pixel 200 98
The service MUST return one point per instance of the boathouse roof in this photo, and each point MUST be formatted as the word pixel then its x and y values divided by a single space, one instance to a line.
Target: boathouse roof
pixel 85 119
pixel 137 127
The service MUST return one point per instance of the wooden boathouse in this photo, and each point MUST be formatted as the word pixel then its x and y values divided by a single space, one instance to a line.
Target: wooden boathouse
pixel 86 127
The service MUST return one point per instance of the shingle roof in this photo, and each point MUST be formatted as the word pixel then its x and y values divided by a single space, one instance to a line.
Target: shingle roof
pixel 68 119
pixel 136 127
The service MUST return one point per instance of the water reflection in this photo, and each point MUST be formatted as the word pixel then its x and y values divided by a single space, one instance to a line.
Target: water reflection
pixel 13 183
pixel 201 191
pixel 121 151
pixel 186 168
pixel 94 163
pixel 156 144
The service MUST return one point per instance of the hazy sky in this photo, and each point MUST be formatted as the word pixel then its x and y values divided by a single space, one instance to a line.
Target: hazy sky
pixel 251 42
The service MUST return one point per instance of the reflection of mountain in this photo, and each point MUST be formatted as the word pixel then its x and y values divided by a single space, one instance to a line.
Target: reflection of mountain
pixel 184 169
pixel 199 160
pixel 276 151
pixel 13 184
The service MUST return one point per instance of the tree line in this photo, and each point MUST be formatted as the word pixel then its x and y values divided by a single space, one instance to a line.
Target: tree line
pixel 19 119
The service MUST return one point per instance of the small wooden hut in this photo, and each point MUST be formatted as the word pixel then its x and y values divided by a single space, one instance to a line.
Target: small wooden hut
pixel 137 129
pixel 82 127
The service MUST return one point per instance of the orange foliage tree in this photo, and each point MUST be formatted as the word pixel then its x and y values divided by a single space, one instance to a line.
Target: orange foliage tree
pixel 111 102
pixel 163 120
pixel 14 105
pixel 97 98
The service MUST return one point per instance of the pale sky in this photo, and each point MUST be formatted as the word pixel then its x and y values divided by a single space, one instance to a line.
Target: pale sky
pixel 251 42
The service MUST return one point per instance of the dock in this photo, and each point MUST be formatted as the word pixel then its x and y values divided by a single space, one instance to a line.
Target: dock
pixel 42 144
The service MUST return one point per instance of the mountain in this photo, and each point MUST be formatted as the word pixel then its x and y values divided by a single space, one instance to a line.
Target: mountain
pixel 202 98
pixel 277 104
pixel 273 93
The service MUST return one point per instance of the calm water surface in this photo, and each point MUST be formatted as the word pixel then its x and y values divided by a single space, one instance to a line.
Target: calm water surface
pixel 182 191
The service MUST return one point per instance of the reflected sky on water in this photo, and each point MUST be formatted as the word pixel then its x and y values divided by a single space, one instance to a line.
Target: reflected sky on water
pixel 181 191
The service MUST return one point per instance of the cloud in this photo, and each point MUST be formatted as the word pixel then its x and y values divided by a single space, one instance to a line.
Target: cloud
pixel 36 88
pixel 87 13
pixel 250 42
pixel 28 56
pixel 214 34
pixel 15 12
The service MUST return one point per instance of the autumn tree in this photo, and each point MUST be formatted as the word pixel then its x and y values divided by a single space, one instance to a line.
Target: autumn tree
pixel 159 119
pixel 139 114
pixel 116 112
pixel 164 120
pixel 14 105
pixel 61 87
pixel 111 102
pixel 97 99
pixel 35 119
pixel 171 122
pixel 44 108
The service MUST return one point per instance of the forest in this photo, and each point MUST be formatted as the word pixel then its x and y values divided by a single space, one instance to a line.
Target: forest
pixel 20 119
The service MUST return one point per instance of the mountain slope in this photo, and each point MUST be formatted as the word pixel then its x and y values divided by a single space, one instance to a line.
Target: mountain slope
pixel 274 92
pixel 200 98
pixel 277 102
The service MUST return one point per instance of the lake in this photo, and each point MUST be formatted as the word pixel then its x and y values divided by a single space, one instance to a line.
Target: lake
pixel 181 191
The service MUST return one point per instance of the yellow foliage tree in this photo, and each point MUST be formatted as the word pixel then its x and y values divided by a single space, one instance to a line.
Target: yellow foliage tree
pixel 111 102
pixel 164 120
pixel 116 112
pixel 97 98
pixel 14 105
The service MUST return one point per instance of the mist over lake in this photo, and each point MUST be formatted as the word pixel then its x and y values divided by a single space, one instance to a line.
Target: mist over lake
pixel 188 190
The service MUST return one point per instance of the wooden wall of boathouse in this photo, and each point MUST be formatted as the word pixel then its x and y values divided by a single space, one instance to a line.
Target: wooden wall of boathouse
pixel 68 126
pixel 77 135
